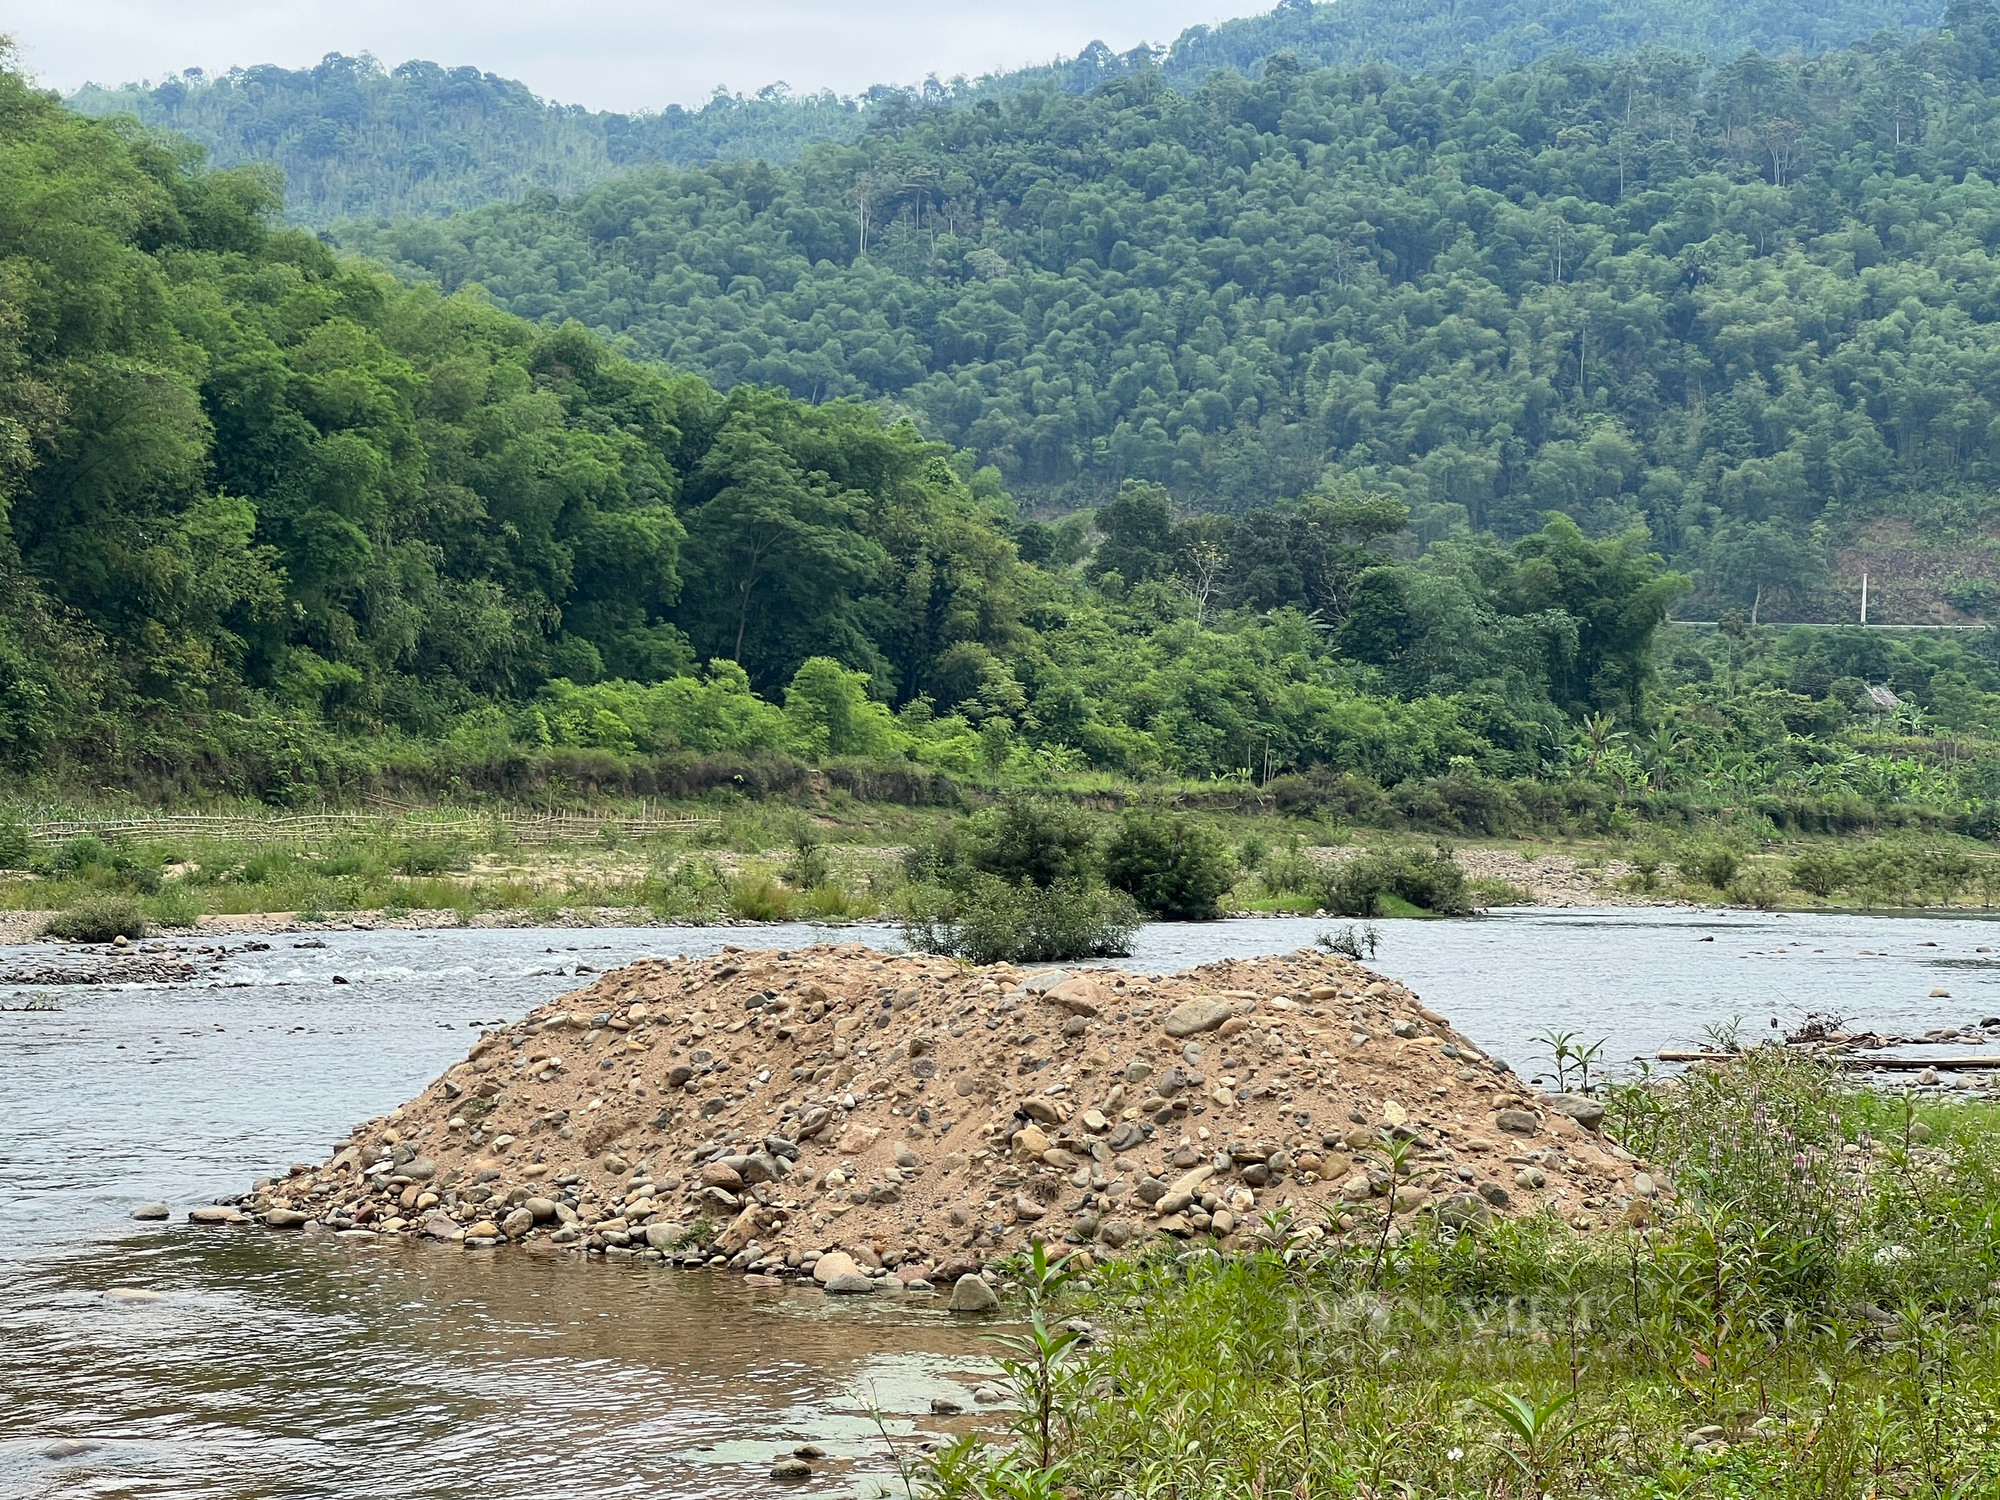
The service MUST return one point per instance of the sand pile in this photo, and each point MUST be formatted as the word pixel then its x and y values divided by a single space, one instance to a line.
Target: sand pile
pixel 766 1109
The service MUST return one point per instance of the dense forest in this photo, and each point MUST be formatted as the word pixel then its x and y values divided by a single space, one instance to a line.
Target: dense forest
pixel 279 524
pixel 1749 309
pixel 355 140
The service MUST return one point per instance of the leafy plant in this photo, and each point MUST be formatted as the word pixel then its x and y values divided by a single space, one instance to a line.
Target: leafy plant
pixel 98 919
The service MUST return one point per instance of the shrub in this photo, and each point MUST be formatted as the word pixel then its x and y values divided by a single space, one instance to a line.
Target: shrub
pixel 17 845
pixel 97 919
pixel 1427 878
pixel 1024 838
pixel 1819 872
pixel 422 856
pixel 1712 865
pixel 1171 865
pixel 1759 886
pixel 995 922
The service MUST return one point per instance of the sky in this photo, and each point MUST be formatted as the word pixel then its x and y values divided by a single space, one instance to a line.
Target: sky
pixel 608 54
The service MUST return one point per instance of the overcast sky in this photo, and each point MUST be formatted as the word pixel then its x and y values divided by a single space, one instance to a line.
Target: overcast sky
pixel 610 54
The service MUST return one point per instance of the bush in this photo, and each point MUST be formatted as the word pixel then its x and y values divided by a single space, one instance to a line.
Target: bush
pixel 1759 886
pixel 1024 838
pixel 421 856
pixel 1427 878
pixel 17 845
pixel 1171 865
pixel 1712 865
pixel 1819 872
pixel 995 922
pixel 97 919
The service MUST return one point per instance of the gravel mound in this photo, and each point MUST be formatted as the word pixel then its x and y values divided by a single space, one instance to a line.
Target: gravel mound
pixel 871 1119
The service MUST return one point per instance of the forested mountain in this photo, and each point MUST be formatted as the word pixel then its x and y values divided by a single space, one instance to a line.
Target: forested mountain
pixel 1751 309
pixel 273 523
pixel 354 140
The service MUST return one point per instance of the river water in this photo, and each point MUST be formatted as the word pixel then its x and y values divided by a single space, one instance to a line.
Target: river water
pixel 307 1367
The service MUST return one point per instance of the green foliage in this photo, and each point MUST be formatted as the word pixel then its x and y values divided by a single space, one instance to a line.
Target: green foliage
pixel 98 919
pixel 1428 879
pixel 1816 1288
pixel 17 845
pixel 355 141
pixel 1485 297
pixel 990 921
pixel 1173 866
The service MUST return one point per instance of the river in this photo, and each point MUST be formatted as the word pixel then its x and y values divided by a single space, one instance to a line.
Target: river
pixel 303 1367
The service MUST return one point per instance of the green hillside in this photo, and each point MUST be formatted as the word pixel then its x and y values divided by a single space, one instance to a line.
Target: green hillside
pixel 1751 310
pixel 274 524
pixel 353 139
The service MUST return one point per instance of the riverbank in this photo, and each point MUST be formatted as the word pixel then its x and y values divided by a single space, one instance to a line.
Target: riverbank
pixel 835 1112
pixel 1813 1315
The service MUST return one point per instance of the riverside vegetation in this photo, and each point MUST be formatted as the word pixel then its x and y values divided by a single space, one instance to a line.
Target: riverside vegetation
pixel 1814 1315
pixel 361 537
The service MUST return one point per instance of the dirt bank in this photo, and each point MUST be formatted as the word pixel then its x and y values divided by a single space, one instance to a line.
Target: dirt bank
pixel 767 1108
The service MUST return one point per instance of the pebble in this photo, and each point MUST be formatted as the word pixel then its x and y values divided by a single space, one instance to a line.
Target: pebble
pixel 791 1469
pixel 217 1213
pixel 152 1213
pixel 1517 1121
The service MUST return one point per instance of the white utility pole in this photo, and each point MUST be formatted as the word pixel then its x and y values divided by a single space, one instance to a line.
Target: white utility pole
pixel 1864 598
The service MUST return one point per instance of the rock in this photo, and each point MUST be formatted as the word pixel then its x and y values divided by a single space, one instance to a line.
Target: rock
pixel 1586 1111
pixel 791 1470
pixel 1531 1177
pixel 1093 1121
pixel 850 1284
pixel 1042 1112
pixel 944 1406
pixel 1128 1137
pixel 738 1233
pixel 286 1218
pixel 132 1294
pixel 544 1209
pixel 152 1213
pixel 969 1294
pixel 485 1229
pixel 1030 1141
pixel 517 1223
pixel 67 1448
pixel 988 1395
pixel 1643 1185
pixel 217 1213
pixel 809 1452
pixel 438 1226
pixel 664 1236
pixel 1920 1133
pixel 1193 1017
pixel 1495 1194
pixel 1079 995
pixel 1115 1233
pixel 1409 1198
pixel 835 1263
pixel 1517 1121
pixel 1463 1210
pixel 721 1175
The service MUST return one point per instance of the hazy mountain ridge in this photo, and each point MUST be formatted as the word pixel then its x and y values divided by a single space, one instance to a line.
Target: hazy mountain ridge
pixel 356 140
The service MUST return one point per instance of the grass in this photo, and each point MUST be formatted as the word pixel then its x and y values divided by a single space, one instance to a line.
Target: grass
pixel 841 849
pixel 1814 1314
